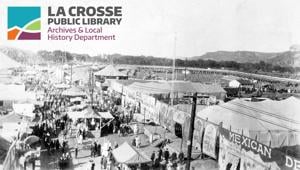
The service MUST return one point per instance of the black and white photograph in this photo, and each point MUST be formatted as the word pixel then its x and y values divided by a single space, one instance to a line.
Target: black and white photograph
pixel 150 85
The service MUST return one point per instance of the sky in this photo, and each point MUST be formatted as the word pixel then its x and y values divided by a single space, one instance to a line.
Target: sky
pixel 150 27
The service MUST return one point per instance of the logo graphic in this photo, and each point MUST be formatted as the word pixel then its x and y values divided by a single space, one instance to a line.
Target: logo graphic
pixel 24 23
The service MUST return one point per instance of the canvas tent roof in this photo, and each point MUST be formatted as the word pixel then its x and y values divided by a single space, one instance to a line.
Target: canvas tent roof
pixel 160 87
pixel 15 92
pixel 81 73
pixel 106 115
pixel 75 115
pixel 273 118
pixel 13 118
pixel 90 113
pixel 61 86
pixel 4 146
pixel 132 155
pixel 110 71
pixel 151 87
pixel 73 92
pixel 182 86
pixel 7 62
pixel 25 109
pixel 7 77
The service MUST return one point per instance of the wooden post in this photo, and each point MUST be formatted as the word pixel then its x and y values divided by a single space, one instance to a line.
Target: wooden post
pixel 191 132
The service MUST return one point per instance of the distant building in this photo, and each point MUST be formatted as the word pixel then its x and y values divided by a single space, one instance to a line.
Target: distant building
pixel 245 84
pixel 230 81
pixel 110 72
pixel 236 82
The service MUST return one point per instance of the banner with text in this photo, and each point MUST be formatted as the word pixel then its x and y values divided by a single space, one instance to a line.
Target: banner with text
pixel 263 155
pixel 209 140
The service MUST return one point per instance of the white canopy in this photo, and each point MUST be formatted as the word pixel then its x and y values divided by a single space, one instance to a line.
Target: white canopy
pixel 75 115
pixel 7 62
pixel 74 92
pixel 77 107
pixel 110 71
pixel 128 155
pixel 86 113
pixel 76 99
pixel 105 115
pixel 24 109
pixel 276 121
pixel 15 92
pixel 61 86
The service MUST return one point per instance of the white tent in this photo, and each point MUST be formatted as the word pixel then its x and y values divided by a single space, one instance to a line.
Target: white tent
pixel 25 109
pixel 15 93
pixel 76 99
pixel 105 115
pixel 110 71
pixel 86 113
pixel 61 86
pixel 74 92
pixel 234 84
pixel 75 115
pixel 275 121
pixel 131 156
pixel 7 62
pixel 12 124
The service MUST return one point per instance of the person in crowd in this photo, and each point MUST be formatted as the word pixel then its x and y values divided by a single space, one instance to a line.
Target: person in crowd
pixel 156 162
pixel 57 145
pixel 76 152
pixel 95 148
pixel 101 162
pixel 25 164
pixel 99 149
pixel 173 157
pixel 134 142
pixel 92 165
pixel 166 154
pixel 104 163
pixel 160 154
pixel 153 156
pixel 92 151
pixel 181 157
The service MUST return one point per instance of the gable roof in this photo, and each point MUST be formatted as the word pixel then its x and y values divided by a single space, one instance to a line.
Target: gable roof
pixel 161 87
pixel 110 71
pixel 126 154
pixel 280 119
pixel 7 62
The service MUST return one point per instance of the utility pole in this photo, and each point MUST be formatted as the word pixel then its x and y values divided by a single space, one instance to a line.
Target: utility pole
pixel 91 86
pixel 191 131
pixel 173 73
pixel 71 75
pixel 185 69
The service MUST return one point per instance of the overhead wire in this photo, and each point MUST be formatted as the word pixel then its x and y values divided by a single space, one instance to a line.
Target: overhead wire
pixel 252 116
pixel 265 112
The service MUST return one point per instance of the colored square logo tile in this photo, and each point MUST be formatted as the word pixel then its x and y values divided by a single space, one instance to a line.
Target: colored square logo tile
pixel 24 23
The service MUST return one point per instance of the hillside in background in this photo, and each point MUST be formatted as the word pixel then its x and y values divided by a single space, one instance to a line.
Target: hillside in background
pixel 238 56
pixel 21 56
pixel 287 58
pixel 282 64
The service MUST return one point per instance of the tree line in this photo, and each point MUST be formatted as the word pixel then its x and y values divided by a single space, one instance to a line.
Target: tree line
pixel 66 57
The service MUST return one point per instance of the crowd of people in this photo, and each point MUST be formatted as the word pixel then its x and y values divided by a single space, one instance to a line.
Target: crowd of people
pixel 54 125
